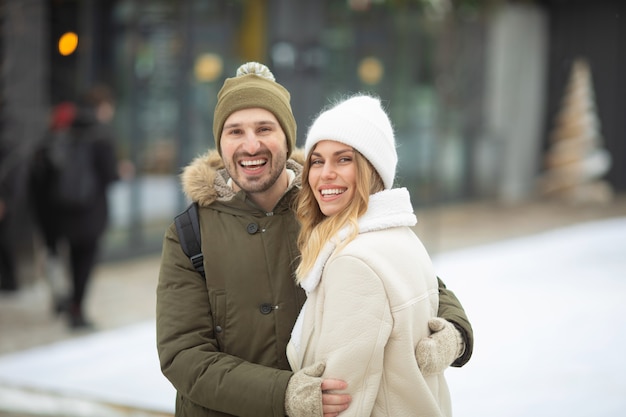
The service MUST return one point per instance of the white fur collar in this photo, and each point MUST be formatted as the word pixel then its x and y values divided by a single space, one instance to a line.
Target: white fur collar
pixel 388 208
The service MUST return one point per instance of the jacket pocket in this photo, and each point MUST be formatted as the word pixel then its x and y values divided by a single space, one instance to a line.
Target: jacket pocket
pixel 217 299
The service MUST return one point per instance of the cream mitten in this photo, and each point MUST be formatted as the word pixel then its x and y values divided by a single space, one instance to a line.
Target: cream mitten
pixel 437 351
pixel 303 397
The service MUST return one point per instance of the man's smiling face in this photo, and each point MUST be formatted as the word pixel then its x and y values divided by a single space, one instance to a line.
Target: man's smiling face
pixel 254 149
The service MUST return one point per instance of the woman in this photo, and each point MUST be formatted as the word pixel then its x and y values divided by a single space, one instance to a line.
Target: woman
pixel 370 283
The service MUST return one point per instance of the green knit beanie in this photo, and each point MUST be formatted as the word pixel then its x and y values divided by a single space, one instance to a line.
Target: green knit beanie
pixel 254 86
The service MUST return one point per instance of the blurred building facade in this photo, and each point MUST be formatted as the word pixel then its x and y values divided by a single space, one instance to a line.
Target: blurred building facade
pixel 472 86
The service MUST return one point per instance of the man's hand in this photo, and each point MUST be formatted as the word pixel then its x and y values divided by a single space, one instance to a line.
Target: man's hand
pixel 332 403
pixel 437 351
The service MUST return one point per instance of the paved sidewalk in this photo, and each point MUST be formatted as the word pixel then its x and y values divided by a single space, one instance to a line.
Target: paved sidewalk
pixel 121 300
pixel 121 294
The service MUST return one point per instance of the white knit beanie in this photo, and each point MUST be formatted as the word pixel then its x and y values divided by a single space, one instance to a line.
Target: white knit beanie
pixel 360 122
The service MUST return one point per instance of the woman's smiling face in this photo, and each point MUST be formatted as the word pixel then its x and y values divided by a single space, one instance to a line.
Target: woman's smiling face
pixel 332 175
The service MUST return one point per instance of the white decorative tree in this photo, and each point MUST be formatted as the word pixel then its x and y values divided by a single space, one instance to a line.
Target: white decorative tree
pixel 575 161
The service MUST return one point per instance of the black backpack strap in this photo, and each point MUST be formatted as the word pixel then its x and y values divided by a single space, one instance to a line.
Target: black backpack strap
pixel 188 228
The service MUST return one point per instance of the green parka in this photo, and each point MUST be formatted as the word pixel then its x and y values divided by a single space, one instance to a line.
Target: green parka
pixel 222 341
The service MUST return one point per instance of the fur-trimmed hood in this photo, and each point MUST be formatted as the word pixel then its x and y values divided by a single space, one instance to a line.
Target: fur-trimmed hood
pixel 205 180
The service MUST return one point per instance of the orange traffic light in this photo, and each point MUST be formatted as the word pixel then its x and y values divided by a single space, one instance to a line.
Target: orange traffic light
pixel 68 43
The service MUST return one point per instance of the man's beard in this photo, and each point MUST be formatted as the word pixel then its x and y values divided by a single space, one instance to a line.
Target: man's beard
pixel 265 182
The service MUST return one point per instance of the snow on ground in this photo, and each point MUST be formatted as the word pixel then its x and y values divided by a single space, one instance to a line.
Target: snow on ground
pixel 549 321
pixel 114 367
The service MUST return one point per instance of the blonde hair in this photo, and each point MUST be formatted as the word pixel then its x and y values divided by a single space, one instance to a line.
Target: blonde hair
pixel 315 228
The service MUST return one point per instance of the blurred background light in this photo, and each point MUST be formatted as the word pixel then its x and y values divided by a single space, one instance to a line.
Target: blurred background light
pixel 208 67
pixel 284 55
pixel 68 42
pixel 371 70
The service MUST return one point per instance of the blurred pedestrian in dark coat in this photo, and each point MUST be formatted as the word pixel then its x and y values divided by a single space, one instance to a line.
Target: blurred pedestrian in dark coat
pixel 81 229
pixel 42 196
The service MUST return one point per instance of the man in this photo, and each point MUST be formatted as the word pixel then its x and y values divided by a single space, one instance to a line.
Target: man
pixel 222 340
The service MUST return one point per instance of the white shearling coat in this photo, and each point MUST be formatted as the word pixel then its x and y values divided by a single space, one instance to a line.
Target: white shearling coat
pixel 368 305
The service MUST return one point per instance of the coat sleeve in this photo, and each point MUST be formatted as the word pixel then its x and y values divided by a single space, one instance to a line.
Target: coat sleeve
pixel 188 350
pixel 356 325
pixel 450 308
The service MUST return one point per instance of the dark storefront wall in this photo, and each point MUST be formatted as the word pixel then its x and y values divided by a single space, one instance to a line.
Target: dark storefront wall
pixel 166 60
pixel 23 114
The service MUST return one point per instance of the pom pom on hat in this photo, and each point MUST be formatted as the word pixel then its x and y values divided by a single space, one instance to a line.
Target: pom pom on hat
pixel 254 86
pixel 255 68
pixel 360 122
